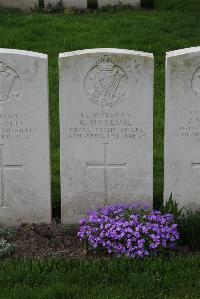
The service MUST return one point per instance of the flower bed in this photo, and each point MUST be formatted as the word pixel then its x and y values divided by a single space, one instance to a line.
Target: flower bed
pixel 129 230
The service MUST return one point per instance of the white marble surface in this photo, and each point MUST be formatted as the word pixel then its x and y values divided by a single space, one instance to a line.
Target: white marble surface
pixel 182 127
pixel 21 4
pixel 66 3
pixel 106 123
pixel 135 3
pixel 24 138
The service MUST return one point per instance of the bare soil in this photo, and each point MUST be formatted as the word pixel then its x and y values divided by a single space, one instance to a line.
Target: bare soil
pixel 46 240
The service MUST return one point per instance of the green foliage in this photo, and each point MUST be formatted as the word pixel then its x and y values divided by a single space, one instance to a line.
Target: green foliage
pixel 189 228
pixel 171 206
pixel 7 232
pixel 6 235
pixel 6 248
pixel 188 223
pixel 180 5
pixel 161 278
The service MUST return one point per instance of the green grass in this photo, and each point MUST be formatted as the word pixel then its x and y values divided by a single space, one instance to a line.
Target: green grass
pixel 160 30
pixel 191 6
pixel 164 278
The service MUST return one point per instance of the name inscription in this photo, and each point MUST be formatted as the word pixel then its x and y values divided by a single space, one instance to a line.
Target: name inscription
pixel 97 125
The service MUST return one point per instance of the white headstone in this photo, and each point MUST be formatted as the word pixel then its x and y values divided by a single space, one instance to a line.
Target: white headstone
pixel 182 127
pixel 24 138
pixel 20 4
pixel 135 3
pixel 106 115
pixel 81 4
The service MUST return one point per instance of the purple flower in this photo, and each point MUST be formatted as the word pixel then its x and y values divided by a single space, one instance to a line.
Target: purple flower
pixel 128 230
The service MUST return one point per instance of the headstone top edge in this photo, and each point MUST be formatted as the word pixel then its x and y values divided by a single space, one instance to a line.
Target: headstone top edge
pixel 181 52
pixel 106 51
pixel 23 53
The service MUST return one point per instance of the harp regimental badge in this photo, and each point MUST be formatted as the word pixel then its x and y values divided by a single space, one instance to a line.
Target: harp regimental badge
pixel 106 83
pixel 10 84
pixel 196 83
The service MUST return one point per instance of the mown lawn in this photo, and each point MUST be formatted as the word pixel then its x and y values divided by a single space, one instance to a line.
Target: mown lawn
pixel 164 278
pixel 171 25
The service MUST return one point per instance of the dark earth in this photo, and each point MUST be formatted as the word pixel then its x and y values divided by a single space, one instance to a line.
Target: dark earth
pixel 45 240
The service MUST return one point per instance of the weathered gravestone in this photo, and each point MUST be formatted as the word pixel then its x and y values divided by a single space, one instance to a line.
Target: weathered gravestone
pixel 135 3
pixel 106 107
pixel 24 138
pixel 66 3
pixel 182 127
pixel 20 4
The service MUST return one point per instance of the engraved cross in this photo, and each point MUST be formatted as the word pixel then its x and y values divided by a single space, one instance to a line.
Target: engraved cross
pixel 106 166
pixel 3 167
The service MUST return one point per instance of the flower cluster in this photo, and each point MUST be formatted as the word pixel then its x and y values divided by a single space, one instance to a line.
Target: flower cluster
pixel 128 230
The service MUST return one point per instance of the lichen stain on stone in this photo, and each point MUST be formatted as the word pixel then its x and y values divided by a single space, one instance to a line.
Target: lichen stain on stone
pixel 30 71
pixel 65 64
pixel 121 59
pixel 182 65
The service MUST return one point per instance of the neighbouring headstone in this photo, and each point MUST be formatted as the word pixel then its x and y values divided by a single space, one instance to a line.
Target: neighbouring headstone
pixel 135 3
pixel 106 122
pixel 24 138
pixel 81 4
pixel 182 127
pixel 20 4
